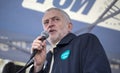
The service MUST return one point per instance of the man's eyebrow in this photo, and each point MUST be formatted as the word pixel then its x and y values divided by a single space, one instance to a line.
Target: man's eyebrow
pixel 51 18
pixel 55 17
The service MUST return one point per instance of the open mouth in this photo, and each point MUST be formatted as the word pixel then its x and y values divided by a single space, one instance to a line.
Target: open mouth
pixel 52 31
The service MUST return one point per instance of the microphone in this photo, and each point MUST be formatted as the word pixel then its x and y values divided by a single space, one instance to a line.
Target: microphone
pixel 44 35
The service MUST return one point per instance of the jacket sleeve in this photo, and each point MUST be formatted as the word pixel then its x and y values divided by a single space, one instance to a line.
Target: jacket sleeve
pixel 95 59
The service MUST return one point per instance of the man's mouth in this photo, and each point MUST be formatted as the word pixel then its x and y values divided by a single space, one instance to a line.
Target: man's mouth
pixel 51 31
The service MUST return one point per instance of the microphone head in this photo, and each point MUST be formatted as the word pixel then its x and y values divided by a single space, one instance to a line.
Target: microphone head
pixel 45 34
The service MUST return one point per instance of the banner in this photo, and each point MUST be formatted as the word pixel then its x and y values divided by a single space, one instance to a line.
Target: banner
pixel 87 11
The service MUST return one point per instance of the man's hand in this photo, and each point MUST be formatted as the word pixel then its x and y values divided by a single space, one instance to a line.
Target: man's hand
pixel 40 57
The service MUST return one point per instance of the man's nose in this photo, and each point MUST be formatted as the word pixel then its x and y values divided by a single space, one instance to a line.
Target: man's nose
pixel 51 23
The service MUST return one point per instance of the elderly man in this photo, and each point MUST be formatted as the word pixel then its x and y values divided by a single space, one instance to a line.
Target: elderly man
pixel 70 53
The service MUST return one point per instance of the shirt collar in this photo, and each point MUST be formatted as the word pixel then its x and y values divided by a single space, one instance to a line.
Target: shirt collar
pixel 53 46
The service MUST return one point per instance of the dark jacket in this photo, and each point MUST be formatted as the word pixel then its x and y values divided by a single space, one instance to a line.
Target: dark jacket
pixel 78 54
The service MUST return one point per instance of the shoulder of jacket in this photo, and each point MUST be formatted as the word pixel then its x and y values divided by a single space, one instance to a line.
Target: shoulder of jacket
pixel 87 35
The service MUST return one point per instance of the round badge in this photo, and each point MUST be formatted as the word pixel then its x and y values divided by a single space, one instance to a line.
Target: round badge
pixel 65 54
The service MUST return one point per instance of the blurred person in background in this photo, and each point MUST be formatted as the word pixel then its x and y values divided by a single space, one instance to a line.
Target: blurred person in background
pixel 10 67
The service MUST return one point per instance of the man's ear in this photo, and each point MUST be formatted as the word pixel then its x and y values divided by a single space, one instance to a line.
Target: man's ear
pixel 70 26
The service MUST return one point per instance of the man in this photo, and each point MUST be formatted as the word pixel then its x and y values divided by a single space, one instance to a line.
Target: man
pixel 70 53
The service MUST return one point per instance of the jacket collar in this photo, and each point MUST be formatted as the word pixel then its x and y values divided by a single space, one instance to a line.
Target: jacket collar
pixel 69 37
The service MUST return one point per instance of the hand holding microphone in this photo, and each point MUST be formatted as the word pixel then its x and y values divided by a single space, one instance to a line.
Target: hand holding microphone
pixel 39 50
pixel 38 43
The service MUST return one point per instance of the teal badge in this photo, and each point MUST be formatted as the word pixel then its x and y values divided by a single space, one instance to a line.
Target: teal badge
pixel 65 54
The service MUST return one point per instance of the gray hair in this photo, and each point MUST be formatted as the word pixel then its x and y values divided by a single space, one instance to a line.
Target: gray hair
pixel 67 17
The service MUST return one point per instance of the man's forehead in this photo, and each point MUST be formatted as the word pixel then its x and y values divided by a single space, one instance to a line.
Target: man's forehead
pixel 51 14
